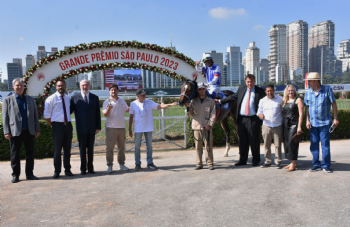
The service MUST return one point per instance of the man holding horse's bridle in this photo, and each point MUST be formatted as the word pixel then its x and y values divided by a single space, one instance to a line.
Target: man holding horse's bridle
pixel 202 110
pixel 212 74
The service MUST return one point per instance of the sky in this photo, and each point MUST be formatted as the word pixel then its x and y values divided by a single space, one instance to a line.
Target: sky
pixel 195 26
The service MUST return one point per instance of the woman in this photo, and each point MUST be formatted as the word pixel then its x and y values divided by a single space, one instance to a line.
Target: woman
pixel 293 118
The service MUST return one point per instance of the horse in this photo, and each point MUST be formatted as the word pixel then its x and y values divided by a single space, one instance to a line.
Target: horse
pixel 189 92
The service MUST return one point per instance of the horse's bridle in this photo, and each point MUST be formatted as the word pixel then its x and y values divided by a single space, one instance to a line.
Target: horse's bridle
pixel 192 94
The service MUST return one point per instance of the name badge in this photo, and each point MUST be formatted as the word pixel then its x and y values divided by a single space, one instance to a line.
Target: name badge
pixel 207 109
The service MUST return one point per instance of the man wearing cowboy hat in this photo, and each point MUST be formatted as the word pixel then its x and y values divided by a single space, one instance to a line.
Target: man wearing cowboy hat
pixel 318 101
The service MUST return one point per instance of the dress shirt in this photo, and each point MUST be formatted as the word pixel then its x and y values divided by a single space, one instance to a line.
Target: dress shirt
pixel 22 106
pixel 54 107
pixel 272 110
pixel 87 96
pixel 251 103
pixel 320 105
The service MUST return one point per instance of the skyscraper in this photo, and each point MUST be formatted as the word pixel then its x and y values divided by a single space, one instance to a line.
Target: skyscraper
pixel 264 70
pixel 321 48
pixel 278 52
pixel 97 80
pixel 297 48
pixel 14 70
pixel 30 61
pixel 252 59
pixel 234 70
pixel 41 53
pixel 343 55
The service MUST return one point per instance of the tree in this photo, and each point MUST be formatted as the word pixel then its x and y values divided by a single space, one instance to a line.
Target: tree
pixel 3 87
pixel 328 79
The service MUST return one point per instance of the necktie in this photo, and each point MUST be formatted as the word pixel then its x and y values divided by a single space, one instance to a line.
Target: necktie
pixel 246 110
pixel 64 110
pixel 85 99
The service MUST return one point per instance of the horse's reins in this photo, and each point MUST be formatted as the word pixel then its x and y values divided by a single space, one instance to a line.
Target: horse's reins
pixel 192 94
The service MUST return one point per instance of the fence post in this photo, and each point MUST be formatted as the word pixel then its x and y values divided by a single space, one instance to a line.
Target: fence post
pixel 185 136
pixel 163 120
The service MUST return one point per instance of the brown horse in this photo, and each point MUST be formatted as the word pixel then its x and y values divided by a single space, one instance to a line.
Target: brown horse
pixel 189 92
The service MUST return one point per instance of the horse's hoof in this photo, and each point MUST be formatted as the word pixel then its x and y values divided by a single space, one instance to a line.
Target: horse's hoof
pixel 225 155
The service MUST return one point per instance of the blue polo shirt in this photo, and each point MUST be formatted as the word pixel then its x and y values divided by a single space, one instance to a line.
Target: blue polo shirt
pixel 320 105
pixel 22 106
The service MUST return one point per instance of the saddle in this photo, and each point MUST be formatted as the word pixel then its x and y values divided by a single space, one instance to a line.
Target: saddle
pixel 221 95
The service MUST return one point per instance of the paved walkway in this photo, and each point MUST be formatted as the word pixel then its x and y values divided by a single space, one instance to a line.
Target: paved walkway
pixel 178 195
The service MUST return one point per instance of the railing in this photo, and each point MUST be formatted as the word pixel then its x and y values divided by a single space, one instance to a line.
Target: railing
pixel 169 132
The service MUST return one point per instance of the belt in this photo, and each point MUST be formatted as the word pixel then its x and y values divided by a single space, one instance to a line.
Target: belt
pixel 248 116
pixel 63 123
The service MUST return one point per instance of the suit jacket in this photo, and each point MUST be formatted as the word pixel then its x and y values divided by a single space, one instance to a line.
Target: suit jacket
pixel 87 116
pixel 239 95
pixel 12 119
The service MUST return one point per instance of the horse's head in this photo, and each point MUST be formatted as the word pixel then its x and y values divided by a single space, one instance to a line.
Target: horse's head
pixel 188 91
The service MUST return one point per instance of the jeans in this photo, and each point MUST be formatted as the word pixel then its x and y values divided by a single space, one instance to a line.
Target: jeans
pixel 138 140
pixel 322 134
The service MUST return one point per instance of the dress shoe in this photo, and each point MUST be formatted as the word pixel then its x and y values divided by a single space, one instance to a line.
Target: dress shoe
pixel 255 164
pixel 198 167
pixel 211 168
pixel 69 174
pixel 83 172
pixel 92 171
pixel 56 175
pixel 15 179
pixel 32 177
pixel 240 164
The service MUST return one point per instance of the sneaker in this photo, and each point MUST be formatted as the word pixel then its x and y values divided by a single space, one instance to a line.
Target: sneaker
pixel 152 166
pixel 278 166
pixel 265 165
pixel 315 168
pixel 211 168
pixel 328 170
pixel 110 169
pixel 123 167
pixel 138 167
pixel 198 167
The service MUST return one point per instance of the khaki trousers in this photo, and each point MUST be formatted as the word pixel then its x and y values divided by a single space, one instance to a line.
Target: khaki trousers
pixel 115 136
pixel 198 135
pixel 276 133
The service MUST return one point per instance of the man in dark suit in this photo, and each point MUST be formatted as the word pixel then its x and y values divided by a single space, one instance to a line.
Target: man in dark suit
pixel 21 125
pixel 86 107
pixel 248 97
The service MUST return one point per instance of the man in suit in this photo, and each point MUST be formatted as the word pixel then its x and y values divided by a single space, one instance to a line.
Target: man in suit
pixel 21 125
pixel 248 97
pixel 86 107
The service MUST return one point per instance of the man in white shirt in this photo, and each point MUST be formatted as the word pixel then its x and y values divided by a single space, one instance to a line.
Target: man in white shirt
pixel 141 110
pixel 114 110
pixel 270 111
pixel 57 115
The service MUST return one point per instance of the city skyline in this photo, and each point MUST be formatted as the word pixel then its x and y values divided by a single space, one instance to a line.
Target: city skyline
pixel 153 22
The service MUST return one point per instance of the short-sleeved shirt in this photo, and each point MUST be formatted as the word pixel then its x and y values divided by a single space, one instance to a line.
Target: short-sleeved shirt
pixel 116 118
pixel 272 110
pixel 320 105
pixel 143 115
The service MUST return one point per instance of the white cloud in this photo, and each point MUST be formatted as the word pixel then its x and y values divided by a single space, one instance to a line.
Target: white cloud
pixel 223 13
pixel 21 39
pixel 258 27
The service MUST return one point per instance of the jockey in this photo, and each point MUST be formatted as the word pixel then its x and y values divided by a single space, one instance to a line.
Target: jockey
pixel 212 73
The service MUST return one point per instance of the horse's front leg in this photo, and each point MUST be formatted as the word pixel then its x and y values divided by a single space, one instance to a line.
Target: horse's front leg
pixel 225 127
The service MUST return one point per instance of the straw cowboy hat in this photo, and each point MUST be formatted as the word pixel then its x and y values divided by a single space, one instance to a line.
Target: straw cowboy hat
pixel 313 76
